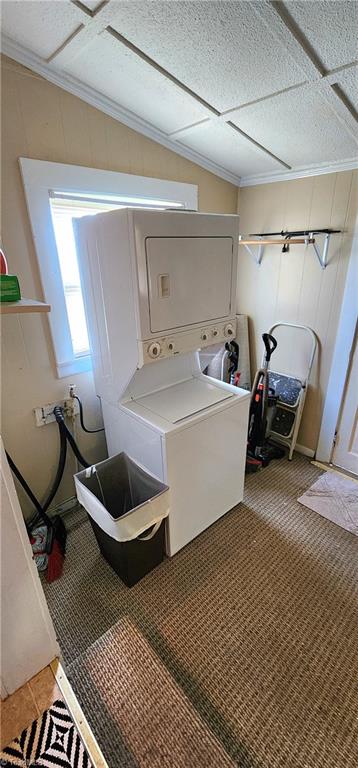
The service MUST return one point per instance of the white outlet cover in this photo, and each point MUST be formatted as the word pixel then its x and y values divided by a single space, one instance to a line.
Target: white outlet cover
pixel 44 413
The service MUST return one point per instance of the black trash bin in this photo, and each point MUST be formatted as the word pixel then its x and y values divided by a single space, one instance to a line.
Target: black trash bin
pixel 127 508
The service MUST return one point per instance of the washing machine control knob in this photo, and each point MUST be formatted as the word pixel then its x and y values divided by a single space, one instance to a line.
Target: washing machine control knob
pixel 154 350
pixel 204 335
pixel 171 346
pixel 229 330
pixel 214 332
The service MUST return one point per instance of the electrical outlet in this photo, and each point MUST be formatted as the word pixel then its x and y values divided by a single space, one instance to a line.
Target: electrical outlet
pixel 44 413
pixel 71 407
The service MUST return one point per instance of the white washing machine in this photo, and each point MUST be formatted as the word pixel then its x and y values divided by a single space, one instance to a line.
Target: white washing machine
pixel 159 286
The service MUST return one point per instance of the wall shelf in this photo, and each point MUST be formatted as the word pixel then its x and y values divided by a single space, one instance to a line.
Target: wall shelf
pixel 22 306
pixel 299 237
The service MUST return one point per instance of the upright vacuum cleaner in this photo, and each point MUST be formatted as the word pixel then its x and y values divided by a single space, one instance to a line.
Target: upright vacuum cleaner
pixel 260 451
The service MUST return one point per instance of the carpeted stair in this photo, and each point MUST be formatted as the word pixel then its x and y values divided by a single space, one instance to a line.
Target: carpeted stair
pixel 140 715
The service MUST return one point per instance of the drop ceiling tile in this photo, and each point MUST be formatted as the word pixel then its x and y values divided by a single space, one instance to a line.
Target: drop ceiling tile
pixel 116 72
pixel 348 83
pixel 329 27
pixel 40 26
pixel 221 50
pixel 222 144
pixel 301 129
pixel 92 4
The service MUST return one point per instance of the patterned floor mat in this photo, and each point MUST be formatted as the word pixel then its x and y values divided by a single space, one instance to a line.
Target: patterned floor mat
pixel 51 741
pixel 336 498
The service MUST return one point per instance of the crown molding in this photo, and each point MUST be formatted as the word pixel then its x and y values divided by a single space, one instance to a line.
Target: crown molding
pixel 299 173
pixel 32 61
pixel 91 96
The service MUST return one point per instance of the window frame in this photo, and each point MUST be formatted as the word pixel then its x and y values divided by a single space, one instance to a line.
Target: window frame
pixel 39 178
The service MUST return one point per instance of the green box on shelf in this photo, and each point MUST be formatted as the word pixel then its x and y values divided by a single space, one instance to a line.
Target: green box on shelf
pixel 9 288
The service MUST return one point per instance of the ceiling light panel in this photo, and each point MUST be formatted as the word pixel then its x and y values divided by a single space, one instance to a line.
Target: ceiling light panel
pixel 135 85
pixel 40 26
pixel 298 126
pixel 220 50
pixel 329 27
pixel 223 145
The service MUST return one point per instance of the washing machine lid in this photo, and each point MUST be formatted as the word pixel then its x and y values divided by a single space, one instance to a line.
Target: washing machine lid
pixel 185 399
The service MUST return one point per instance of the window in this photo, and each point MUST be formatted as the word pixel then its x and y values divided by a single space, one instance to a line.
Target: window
pixel 55 195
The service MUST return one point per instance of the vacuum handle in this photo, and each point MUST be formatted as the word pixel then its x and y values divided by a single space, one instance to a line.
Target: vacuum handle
pixel 270 345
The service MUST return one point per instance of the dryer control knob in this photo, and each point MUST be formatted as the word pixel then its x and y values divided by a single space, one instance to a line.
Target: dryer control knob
pixel 229 330
pixel 154 350
pixel 214 332
pixel 204 336
pixel 171 346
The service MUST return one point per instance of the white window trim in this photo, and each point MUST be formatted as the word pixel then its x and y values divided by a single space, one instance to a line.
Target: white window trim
pixel 39 177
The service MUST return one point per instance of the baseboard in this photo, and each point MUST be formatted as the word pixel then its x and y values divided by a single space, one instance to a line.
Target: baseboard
pixel 305 451
pixel 66 506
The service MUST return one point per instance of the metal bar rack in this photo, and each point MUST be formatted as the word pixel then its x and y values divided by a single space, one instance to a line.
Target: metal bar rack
pixel 297 237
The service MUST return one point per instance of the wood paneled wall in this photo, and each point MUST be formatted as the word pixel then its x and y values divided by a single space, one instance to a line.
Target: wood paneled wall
pixel 41 121
pixel 292 287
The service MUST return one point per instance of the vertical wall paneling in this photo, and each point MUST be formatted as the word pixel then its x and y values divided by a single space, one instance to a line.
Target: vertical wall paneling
pixel 292 287
pixel 97 138
pixel 75 128
pixel 40 120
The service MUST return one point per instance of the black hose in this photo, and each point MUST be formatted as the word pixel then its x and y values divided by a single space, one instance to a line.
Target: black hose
pixel 75 448
pixel 41 509
pixel 25 486
pixel 65 435
pixel 58 413
pixel 85 429
pixel 60 468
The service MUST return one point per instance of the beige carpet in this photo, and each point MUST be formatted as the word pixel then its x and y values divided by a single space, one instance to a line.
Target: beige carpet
pixel 256 621
pixel 336 498
pixel 151 723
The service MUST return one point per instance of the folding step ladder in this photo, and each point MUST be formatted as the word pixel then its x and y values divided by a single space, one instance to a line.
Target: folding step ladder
pixel 291 394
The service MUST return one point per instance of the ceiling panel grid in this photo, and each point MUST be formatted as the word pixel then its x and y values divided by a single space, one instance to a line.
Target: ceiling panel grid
pixel 245 88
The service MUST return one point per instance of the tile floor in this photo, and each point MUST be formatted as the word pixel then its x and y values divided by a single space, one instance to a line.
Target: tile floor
pixel 26 704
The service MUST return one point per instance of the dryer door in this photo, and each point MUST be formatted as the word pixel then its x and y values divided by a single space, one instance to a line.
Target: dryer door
pixel 189 280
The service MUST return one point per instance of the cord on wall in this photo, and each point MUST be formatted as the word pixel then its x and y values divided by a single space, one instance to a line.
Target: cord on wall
pixel 75 397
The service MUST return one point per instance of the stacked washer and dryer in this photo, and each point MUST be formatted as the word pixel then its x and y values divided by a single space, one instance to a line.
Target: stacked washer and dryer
pixel 158 287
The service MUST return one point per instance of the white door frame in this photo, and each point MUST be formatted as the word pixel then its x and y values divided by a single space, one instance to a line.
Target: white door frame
pixel 341 357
